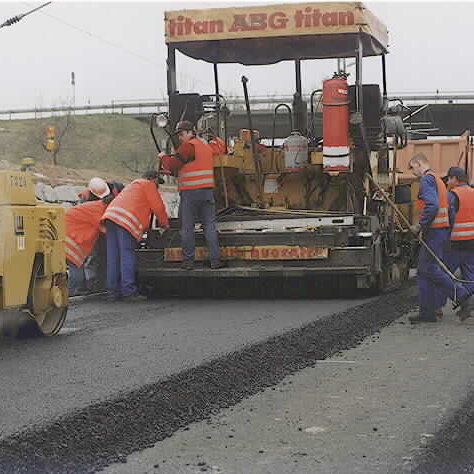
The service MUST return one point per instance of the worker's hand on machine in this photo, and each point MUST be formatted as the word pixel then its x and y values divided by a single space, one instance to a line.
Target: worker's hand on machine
pixel 415 228
pixel 160 155
pixel 163 230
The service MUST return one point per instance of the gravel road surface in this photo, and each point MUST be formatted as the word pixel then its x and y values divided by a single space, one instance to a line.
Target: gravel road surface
pixel 108 348
pixel 373 409
pixel 198 385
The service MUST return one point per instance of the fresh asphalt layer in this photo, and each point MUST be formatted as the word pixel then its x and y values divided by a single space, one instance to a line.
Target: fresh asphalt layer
pixel 400 402
pixel 107 348
pixel 122 378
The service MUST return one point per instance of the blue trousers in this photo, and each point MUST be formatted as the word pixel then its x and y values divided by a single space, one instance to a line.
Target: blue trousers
pixel 434 284
pixel 121 260
pixel 198 205
pixel 77 279
pixel 464 261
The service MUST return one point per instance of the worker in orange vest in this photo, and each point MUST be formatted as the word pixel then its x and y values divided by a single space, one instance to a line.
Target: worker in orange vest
pixel 96 264
pixel 461 253
pixel 126 220
pixel 196 190
pixel 434 284
pixel 83 228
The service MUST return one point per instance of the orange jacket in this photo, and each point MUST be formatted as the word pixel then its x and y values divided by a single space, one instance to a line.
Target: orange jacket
pixel 441 219
pixel 463 228
pixel 218 145
pixel 83 228
pixel 133 207
pixel 199 173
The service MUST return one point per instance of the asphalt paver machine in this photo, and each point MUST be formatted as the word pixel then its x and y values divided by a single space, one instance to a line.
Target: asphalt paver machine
pixel 304 204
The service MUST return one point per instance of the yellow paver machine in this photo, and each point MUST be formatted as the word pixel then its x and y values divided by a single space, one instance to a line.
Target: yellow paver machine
pixel 33 277
pixel 300 202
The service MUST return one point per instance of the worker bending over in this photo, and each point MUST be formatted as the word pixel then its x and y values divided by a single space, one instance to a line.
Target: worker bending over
pixel 83 228
pixel 196 190
pixel 461 253
pixel 97 187
pixel 434 284
pixel 126 220
pixel 96 264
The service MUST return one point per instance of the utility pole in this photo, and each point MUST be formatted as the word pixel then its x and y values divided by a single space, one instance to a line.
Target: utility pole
pixel 73 85
pixel 17 18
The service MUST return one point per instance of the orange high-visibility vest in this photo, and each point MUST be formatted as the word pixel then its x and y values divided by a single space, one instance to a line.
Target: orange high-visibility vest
pixel 198 173
pixel 133 207
pixel 441 219
pixel 82 230
pixel 463 228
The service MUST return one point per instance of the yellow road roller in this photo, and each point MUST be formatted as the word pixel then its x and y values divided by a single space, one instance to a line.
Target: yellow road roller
pixel 33 274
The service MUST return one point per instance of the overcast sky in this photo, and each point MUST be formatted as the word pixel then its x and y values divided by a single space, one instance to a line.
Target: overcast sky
pixel 117 52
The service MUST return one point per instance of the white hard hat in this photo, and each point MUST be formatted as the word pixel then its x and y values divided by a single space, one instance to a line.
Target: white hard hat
pixel 99 187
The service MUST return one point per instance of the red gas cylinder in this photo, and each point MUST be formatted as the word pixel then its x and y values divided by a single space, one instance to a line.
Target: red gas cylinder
pixel 336 125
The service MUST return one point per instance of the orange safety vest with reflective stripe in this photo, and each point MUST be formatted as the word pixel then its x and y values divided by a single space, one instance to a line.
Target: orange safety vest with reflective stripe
pixel 441 219
pixel 83 227
pixel 198 173
pixel 133 207
pixel 463 228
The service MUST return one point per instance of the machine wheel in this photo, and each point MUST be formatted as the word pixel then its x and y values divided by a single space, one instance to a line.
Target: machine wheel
pixel 390 278
pixel 46 319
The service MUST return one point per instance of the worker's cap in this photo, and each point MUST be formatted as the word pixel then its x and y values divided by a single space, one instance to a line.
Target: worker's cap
pixel 99 187
pixel 184 125
pixel 456 171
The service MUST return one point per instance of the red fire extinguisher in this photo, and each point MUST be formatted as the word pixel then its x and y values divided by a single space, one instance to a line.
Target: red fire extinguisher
pixel 336 153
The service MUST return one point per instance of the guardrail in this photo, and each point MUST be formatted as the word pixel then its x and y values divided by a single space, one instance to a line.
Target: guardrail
pixel 149 106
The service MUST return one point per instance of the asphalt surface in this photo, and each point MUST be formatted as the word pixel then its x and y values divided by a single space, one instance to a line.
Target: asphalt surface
pixel 399 402
pixel 111 348
pixel 310 382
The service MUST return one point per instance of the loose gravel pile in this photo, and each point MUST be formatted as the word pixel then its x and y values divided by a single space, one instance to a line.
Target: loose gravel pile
pixel 106 432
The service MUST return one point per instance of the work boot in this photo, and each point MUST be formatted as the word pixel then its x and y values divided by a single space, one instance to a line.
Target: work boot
pixel 134 298
pixel 216 264
pixel 466 310
pixel 424 316
pixel 187 265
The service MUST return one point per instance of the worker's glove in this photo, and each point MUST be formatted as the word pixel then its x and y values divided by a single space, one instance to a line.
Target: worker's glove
pixel 415 228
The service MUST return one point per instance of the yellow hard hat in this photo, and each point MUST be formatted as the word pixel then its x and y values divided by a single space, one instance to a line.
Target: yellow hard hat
pixel 27 161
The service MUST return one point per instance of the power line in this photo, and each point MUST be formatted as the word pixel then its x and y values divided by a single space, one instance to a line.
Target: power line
pixel 15 19
pixel 96 37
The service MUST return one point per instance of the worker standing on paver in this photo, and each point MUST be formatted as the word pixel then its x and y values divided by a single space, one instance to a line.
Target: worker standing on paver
pixel 434 284
pixel 83 228
pixel 461 253
pixel 126 220
pixel 196 189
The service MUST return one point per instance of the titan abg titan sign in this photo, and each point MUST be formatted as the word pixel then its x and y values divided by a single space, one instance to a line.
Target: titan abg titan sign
pixel 272 20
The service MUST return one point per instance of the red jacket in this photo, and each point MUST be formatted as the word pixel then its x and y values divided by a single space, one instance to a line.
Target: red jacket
pixel 199 173
pixel 83 227
pixel 133 207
